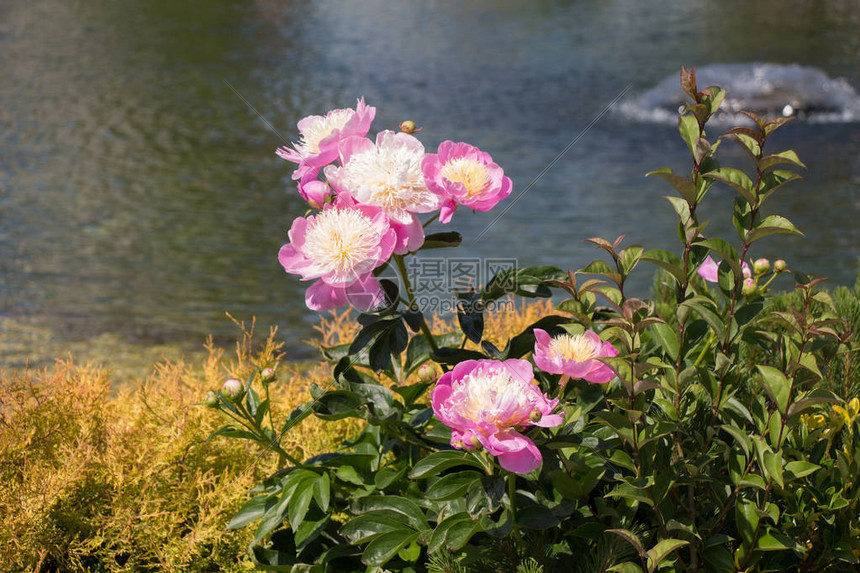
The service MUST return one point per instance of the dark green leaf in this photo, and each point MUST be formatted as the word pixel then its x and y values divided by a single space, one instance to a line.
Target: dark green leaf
pixel 383 547
pixel 438 462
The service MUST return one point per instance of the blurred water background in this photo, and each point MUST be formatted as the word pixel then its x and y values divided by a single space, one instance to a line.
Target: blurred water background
pixel 141 199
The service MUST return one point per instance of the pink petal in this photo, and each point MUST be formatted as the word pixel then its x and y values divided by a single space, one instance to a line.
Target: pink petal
pixel 321 296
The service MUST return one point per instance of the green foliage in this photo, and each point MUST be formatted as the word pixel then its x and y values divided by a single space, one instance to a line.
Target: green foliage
pixel 728 440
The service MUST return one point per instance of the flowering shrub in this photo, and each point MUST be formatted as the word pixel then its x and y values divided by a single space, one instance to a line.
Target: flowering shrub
pixel 695 432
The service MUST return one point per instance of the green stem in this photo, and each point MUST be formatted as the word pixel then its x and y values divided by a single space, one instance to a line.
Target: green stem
pixel 511 478
pixel 711 338
pixel 410 296
pixel 430 220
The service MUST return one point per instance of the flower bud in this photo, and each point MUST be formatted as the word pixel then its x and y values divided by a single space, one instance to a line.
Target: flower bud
pixel 408 126
pixel 749 287
pixel 535 416
pixel 426 373
pixel 761 266
pixel 232 390
pixel 268 375
pixel 779 266
pixel 211 399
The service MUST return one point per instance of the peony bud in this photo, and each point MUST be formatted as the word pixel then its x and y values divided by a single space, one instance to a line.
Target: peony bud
pixel 779 266
pixel 408 126
pixel 267 374
pixel 749 287
pixel 761 266
pixel 233 390
pixel 211 399
pixel 535 416
pixel 426 373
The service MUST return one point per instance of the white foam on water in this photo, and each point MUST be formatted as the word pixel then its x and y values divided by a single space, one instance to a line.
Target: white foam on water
pixel 805 92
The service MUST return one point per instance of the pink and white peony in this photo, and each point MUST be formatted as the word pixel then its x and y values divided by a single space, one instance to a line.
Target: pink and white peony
pixel 574 355
pixel 320 136
pixel 340 247
pixel 387 174
pixel 462 174
pixel 487 403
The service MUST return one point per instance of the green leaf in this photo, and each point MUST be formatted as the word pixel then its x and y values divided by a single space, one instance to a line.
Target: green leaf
pixel 452 486
pixel 747 142
pixel 441 240
pixel 773 541
pixel 701 306
pixel 737 180
pixel 631 538
pixel 776 385
pixel 773 464
pixel 337 404
pixel 626 567
pixel 666 336
pixel 383 547
pixel 300 501
pixel 746 518
pixel 688 126
pixel 799 469
pixel 773 180
pixel 365 527
pixel 740 436
pixel 310 529
pixel 683 185
pixel 782 158
pixel 659 552
pixel 458 522
pixel 667 261
pixel 771 225
pixel 398 507
pixel 253 510
pixel 322 491
pixel 438 462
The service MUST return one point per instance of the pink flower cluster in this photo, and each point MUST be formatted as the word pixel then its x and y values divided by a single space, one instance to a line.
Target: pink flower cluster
pixel 369 194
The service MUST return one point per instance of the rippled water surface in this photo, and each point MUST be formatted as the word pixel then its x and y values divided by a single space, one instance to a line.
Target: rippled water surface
pixel 140 195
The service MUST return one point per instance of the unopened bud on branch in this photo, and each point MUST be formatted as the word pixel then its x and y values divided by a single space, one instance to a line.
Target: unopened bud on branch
pixel 233 390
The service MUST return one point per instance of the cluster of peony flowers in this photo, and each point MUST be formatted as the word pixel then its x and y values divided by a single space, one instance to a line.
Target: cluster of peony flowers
pixel 369 194
pixel 489 403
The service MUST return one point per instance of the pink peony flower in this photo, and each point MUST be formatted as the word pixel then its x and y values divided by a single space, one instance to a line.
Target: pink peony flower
pixel 574 355
pixel 708 270
pixel 340 247
pixel 464 175
pixel 320 136
pixel 387 174
pixel 487 402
